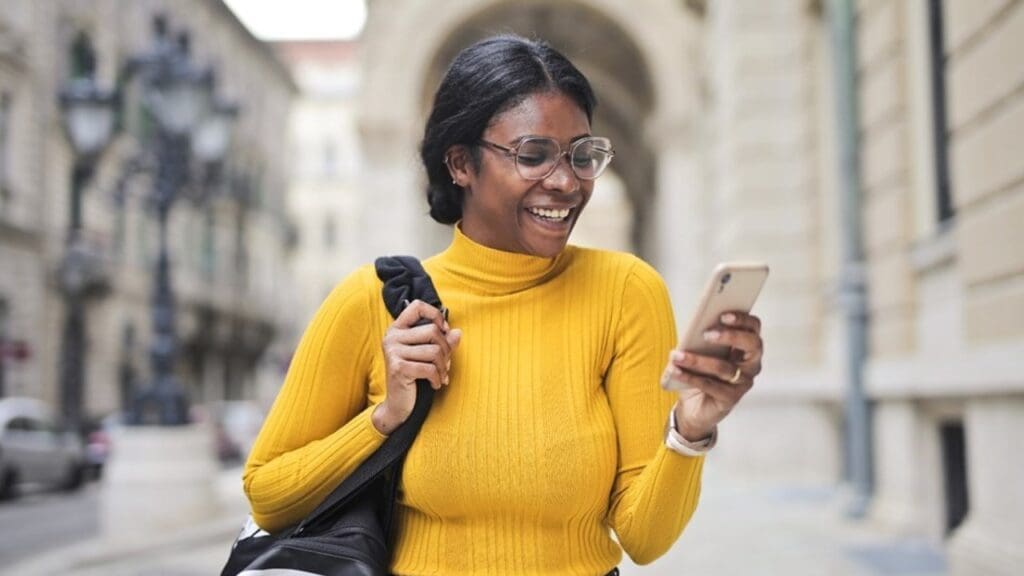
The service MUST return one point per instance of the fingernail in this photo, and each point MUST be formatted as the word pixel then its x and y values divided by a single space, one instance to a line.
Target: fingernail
pixel 446 380
pixel 678 355
pixel 711 335
pixel 448 365
pixel 728 318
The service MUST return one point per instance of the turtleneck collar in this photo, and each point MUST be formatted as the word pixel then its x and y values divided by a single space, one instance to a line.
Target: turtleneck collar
pixel 497 272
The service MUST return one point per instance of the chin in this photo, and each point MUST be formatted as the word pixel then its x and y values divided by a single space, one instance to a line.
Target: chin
pixel 548 249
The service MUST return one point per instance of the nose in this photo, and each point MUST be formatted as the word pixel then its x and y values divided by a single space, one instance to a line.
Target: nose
pixel 562 178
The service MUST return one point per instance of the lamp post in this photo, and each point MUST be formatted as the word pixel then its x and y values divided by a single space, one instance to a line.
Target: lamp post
pixel 189 130
pixel 179 97
pixel 88 115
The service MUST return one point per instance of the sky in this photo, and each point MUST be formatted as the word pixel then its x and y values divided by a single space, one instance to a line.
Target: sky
pixel 301 19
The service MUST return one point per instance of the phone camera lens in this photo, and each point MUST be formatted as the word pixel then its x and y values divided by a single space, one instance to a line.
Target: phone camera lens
pixel 726 278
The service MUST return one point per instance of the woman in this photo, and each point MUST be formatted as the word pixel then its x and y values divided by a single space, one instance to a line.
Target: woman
pixel 548 431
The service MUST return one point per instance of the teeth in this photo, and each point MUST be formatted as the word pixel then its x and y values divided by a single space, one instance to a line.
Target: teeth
pixel 550 214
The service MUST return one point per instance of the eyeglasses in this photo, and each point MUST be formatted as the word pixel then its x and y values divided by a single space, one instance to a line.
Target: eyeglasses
pixel 536 158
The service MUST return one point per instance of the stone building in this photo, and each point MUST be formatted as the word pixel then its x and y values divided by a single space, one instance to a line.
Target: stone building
pixel 228 254
pixel 729 119
pixel 324 192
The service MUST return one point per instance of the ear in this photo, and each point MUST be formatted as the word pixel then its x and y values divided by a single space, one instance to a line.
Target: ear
pixel 460 166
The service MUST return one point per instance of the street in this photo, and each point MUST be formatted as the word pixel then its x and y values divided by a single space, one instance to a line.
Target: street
pixel 40 521
pixel 741 527
pixel 744 526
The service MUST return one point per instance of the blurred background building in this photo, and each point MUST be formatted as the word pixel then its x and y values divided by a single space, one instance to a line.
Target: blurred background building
pixel 324 193
pixel 865 149
pixel 228 251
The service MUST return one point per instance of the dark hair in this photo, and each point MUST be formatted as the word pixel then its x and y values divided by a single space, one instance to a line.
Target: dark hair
pixel 483 81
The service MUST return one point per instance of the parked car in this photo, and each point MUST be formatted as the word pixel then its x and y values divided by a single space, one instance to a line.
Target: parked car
pixel 34 450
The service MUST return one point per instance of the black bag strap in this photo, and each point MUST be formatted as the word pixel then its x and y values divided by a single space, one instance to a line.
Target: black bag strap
pixel 404 280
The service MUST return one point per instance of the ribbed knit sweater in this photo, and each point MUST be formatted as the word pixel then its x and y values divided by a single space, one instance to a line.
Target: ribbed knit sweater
pixel 549 437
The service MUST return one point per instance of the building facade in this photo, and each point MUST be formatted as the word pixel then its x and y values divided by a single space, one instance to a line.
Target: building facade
pixel 729 120
pixel 324 194
pixel 228 252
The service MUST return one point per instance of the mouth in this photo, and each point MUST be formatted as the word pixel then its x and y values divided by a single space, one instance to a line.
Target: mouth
pixel 556 217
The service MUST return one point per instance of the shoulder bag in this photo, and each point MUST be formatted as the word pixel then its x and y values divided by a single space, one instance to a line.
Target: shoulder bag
pixel 348 534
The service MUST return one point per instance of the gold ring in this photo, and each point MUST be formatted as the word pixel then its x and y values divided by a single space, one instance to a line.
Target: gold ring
pixel 736 377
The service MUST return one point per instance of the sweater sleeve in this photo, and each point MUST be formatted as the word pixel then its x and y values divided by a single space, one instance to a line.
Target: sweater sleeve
pixel 656 490
pixel 319 429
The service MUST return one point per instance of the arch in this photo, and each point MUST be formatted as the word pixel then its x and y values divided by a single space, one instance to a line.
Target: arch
pixel 644 73
pixel 402 39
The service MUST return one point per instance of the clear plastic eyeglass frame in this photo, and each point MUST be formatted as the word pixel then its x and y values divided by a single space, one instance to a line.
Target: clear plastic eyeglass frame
pixel 532 167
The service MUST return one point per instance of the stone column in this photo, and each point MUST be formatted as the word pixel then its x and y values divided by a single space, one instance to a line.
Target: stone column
pixel 677 218
pixel 395 217
pixel 766 185
pixel 906 497
pixel 988 542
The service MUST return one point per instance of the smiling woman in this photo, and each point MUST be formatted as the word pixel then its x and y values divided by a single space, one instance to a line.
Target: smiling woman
pixel 547 432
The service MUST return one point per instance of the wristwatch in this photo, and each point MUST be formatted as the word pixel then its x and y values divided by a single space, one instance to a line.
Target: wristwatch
pixel 675 441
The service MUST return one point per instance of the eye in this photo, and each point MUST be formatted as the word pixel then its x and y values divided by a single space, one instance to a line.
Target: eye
pixel 583 159
pixel 585 155
pixel 531 159
pixel 533 153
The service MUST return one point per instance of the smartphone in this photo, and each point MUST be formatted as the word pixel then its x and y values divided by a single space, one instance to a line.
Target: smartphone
pixel 733 286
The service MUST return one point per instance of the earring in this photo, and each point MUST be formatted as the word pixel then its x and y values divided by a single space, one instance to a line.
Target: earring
pixel 454 181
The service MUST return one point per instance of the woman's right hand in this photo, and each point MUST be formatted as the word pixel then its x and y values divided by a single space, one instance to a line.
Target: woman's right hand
pixel 411 352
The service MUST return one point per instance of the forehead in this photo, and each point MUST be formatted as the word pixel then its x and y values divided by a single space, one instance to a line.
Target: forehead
pixel 550 114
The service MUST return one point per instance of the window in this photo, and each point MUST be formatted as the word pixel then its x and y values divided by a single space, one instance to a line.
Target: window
pixel 944 196
pixel 954 468
pixel 3 339
pixel 5 129
pixel 24 424
pixel 208 247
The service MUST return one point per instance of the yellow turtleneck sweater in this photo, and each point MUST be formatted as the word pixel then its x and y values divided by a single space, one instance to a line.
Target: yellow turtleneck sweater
pixel 549 437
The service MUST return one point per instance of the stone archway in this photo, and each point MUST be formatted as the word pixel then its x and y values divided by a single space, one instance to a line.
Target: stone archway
pixel 641 57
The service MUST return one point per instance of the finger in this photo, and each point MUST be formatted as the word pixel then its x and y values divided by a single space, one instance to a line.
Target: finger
pixel 417 310
pixel 410 371
pixel 706 365
pixel 454 338
pixel 428 353
pixel 748 342
pixel 426 334
pixel 741 320
pixel 669 380
pixel 725 394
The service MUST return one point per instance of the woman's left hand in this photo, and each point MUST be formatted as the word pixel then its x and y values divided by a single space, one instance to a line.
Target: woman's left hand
pixel 712 386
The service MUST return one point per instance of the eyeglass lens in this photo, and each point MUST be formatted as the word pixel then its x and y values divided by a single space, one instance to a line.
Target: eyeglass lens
pixel 538 157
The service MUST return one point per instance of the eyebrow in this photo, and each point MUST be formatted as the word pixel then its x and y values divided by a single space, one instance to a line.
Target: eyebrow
pixel 525 136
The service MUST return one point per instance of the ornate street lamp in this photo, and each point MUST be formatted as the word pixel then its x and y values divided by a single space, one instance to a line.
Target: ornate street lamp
pixel 180 98
pixel 88 114
pixel 211 139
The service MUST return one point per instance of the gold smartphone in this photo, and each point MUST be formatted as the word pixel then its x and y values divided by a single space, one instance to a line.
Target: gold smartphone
pixel 734 286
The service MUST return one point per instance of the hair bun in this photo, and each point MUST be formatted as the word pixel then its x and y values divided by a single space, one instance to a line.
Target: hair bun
pixel 445 204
